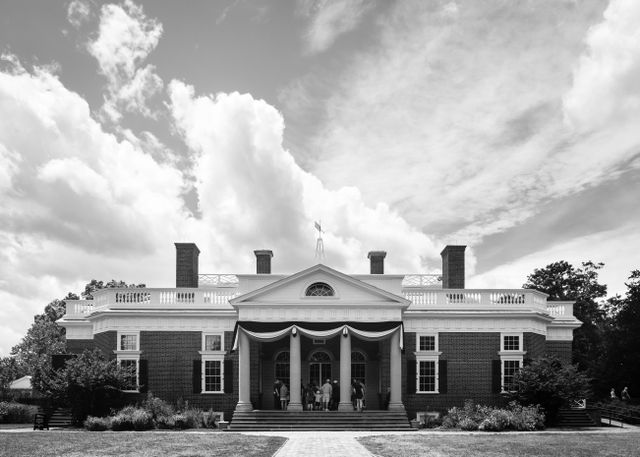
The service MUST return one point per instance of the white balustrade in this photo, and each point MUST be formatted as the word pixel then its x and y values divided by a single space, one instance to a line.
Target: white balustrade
pixel 430 281
pixel 426 297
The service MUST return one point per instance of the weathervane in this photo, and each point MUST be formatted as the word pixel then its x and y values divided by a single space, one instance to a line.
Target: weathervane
pixel 319 242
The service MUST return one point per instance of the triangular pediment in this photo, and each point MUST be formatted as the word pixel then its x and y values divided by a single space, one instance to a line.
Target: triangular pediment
pixel 292 290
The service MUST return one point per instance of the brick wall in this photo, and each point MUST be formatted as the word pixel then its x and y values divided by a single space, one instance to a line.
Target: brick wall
pixel 562 349
pixel 170 357
pixel 106 342
pixel 79 346
pixel 187 265
pixel 469 359
pixel 534 345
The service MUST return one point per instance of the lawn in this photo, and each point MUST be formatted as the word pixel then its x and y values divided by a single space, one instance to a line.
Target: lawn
pixel 136 444
pixel 505 445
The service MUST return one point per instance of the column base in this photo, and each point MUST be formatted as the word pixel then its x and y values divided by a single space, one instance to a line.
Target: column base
pixel 345 406
pixel 244 406
pixel 294 406
pixel 399 406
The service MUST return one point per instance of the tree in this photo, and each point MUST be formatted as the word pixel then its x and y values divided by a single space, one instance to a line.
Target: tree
pixel 623 338
pixel 10 370
pixel 548 382
pixel 90 383
pixel 43 339
pixel 562 281
pixel 95 285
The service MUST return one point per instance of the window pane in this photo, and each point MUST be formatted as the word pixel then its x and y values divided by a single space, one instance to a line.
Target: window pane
pixel 128 342
pixel 212 342
pixel 511 343
pixel 427 343
pixel 511 367
pixel 213 376
pixel 131 376
pixel 319 289
pixel 427 376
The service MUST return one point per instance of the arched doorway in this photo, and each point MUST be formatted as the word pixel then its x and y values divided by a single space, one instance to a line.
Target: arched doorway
pixel 281 367
pixel 359 366
pixel 319 367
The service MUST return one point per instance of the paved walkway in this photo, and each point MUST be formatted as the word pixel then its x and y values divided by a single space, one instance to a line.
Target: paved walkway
pixel 315 444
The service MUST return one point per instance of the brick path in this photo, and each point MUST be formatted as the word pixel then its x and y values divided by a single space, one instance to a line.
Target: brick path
pixel 316 444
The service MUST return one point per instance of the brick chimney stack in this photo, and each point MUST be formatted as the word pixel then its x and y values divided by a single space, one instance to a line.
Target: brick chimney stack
pixel 377 262
pixel 263 261
pixel 453 267
pixel 187 264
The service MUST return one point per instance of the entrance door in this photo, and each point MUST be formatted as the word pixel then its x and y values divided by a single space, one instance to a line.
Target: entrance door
pixel 319 368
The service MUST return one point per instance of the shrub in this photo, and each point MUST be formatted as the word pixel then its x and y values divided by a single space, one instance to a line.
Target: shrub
pixel 525 417
pixel 195 418
pixel 132 418
pixel 468 424
pixel 17 413
pixel 165 422
pixel 210 419
pixel 157 407
pixel 496 421
pixel 180 421
pixel 452 418
pixel 97 424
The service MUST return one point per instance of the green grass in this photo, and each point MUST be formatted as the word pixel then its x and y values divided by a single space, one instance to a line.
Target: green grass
pixel 136 444
pixel 578 444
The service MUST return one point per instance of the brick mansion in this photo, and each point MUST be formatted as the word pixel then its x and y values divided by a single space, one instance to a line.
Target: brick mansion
pixel 416 342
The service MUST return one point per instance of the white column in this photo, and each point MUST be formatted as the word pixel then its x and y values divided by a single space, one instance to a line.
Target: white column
pixel 295 403
pixel 395 401
pixel 244 373
pixel 345 373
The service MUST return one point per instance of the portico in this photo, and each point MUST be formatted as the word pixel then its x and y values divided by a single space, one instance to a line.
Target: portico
pixel 268 315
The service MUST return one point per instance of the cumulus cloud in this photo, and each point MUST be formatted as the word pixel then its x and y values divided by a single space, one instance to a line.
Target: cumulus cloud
pixel 606 80
pixel 78 13
pixel 75 200
pixel 125 39
pixel 466 114
pixel 253 194
pixel 328 19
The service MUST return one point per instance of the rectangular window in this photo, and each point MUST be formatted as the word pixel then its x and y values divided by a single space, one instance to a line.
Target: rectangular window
pixel 509 369
pixel 213 342
pixel 426 343
pixel 212 374
pixel 128 342
pixel 131 373
pixel 511 343
pixel 426 376
pixel 319 341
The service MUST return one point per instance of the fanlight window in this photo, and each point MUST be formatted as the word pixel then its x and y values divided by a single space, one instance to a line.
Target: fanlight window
pixel 320 356
pixel 319 289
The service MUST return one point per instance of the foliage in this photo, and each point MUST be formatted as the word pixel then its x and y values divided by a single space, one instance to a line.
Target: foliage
pixel 157 407
pixel 97 424
pixel 95 285
pixel 548 382
pixel 486 418
pixel 10 370
pixel 132 418
pixel 16 413
pixel 622 364
pixel 90 383
pixel 562 281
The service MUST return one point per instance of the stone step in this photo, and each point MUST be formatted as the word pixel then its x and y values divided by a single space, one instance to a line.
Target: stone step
pixel 320 420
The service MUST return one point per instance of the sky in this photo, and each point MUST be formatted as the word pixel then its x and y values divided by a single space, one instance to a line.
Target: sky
pixel 403 126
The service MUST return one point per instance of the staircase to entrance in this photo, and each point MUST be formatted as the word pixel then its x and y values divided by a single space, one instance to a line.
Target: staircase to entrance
pixel 319 420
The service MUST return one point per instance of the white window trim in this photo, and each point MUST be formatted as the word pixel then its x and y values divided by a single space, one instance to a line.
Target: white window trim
pixel 520 340
pixel 436 345
pixel 503 359
pixel 207 358
pixel 127 355
pixel 422 357
pixel 204 335
pixel 122 333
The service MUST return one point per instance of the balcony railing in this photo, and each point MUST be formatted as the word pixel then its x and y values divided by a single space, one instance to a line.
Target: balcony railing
pixel 425 298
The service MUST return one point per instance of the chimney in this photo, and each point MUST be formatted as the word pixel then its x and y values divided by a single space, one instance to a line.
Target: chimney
pixel 187 264
pixel 377 262
pixel 453 267
pixel 263 262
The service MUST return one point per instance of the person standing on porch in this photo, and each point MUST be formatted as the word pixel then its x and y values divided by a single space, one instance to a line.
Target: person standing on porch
pixel 276 394
pixel 326 389
pixel 359 394
pixel 284 396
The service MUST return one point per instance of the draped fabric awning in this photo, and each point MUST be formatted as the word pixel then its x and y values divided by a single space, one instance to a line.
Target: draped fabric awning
pixel 272 331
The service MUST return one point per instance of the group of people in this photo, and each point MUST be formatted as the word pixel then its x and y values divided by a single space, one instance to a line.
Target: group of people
pixel 323 398
pixel 624 395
